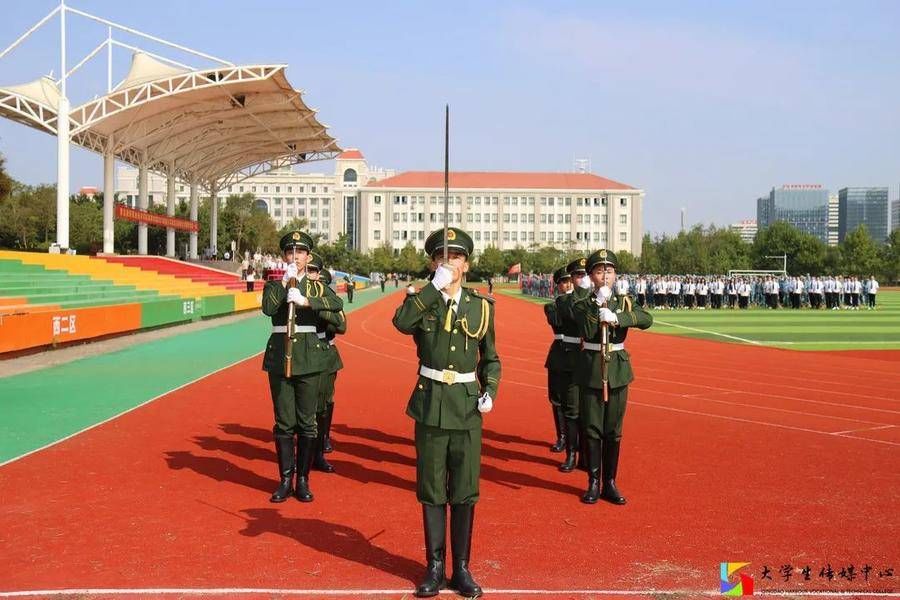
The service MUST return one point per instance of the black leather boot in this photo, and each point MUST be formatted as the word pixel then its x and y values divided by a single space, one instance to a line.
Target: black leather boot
pixel 305 447
pixel 329 413
pixel 435 521
pixel 593 464
pixel 319 462
pixel 571 446
pixel 559 422
pixel 284 448
pixel 610 466
pixel 462 519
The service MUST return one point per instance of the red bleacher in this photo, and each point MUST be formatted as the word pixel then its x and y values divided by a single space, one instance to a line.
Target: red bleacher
pixel 184 270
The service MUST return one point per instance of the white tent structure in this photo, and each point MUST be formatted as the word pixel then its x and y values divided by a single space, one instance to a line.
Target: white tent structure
pixel 207 127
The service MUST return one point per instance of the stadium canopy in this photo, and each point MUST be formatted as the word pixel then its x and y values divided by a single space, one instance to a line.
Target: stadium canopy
pixel 207 127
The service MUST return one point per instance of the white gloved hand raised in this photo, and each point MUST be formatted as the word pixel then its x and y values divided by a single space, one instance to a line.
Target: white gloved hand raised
pixel 485 403
pixel 410 290
pixel 443 276
pixel 290 272
pixel 296 297
pixel 608 316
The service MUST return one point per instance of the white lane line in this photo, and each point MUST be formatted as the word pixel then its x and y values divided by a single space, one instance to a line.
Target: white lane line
pixel 864 429
pixel 125 412
pixel 707 331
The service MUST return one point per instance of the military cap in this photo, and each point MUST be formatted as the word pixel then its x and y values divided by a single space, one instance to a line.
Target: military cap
pixel 560 274
pixel 315 261
pixel 325 276
pixel 296 239
pixel 579 264
pixel 601 257
pixel 457 239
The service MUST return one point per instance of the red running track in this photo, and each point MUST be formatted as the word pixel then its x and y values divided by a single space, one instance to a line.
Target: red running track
pixel 730 453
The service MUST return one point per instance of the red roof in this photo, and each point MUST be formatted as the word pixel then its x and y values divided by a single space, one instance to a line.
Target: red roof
pixel 350 153
pixel 501 180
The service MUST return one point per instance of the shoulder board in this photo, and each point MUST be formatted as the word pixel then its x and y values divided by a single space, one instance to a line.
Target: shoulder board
pixel 473 292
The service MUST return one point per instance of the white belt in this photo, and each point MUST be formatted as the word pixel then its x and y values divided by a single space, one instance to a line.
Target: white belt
pixel 599 347
pixel 557 336
pixel 447 376
pixel 567 338
pixel 297 329
pixel 320 335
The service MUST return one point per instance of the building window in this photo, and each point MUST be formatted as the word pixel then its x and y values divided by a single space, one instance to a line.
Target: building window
pixel 623 236
pixel 289 212
pixel 240 188
pixel 543 236
pixel 396 235
pixel 290 189
pixel 312 189
pixel 276 212
pixel 326 201
pixel 550 218
pixel 623 201
pixel 568 201
pixel 477 236
pixel 604 219
pixel 378 217
pixel 543 218
pixel 265 189
pixel 377 199
pixel 568 218
pixel 350 175
pixel 623 219
pixel 325 212
pixel 494 235
pixel 396 217
pixel 277 189
pixel 505 236
pixel 301 190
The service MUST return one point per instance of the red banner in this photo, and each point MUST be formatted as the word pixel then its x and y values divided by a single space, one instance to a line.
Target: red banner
pixel 142 216
pixel 516 268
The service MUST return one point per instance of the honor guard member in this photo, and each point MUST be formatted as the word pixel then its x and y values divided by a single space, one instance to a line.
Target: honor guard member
pixel 459 371
pixel 561 362
pixel 296 397
pixel 602 419
pixel 328 326
pixel 563 282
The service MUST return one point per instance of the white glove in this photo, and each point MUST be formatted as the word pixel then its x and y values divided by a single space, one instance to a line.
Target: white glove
pixel 608 316
pixel 410 290
pixel 584 283
pixel 485 403
pixel 443 276
pixel 605 293
pixel 296 297
pixel 290 272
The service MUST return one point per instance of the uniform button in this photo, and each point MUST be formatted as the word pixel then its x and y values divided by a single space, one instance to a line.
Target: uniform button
pixel 452 348
pixel 421 387
pixel 456 331
pixel 451 366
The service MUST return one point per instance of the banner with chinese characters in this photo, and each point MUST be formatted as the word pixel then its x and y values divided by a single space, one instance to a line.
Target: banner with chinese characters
pixel 142 216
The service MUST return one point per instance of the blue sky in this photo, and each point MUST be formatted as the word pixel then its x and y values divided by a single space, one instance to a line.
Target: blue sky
pixel 704 105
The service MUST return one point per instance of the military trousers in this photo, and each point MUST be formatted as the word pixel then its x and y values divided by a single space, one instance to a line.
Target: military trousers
pixel 603 420
pixel 563 391
pixel 448 465
pixel 295 401
pixel 326 391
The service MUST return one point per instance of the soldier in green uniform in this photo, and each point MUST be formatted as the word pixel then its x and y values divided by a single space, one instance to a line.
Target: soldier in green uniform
pixel 601 421
pixel 459 371
pixel 553 364
pixel 295 398
pixel 330 324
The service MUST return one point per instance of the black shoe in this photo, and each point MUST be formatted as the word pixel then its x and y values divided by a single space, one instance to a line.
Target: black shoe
pixel 462 520
pixel 571 434
pixel 319 462
pixel 593 461
pixel 304 460
pixel 284 448
pixel 435 524
pixel 558 421
pixel 610 467
pixel 329 413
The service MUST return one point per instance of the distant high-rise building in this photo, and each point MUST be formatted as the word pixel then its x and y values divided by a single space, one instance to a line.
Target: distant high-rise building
pixel 746 229
pixel 895 215
pixel 805 206
pixel 834 219
pixel 864 206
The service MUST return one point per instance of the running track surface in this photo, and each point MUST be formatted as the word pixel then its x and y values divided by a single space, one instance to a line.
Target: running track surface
pixel 730 453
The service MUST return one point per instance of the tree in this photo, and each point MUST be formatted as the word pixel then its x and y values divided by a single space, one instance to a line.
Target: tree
pixel 859 253
pixel 889 256
pixel 383 258
pixel 805 252
pixel 6 182
pixel 410 260
pixel 491 261
pixel 627 263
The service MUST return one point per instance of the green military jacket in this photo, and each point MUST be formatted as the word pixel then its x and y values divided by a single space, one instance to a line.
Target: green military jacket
pixel 619 371
pixel 310 354
pixel 331 324
pixel 467 347
pixel 563 356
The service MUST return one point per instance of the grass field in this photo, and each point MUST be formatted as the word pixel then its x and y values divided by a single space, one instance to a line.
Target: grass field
pixel 798 330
